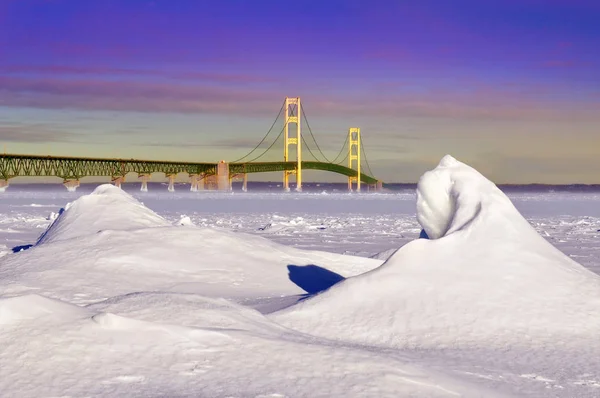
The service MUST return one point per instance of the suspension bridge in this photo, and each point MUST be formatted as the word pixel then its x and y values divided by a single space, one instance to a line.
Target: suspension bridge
pixel 215 176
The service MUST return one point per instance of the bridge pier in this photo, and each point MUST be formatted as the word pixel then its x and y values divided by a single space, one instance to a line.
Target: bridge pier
pixel 210 182
pixel 171 187
pixel 71 184
pixel 3 185
pixel 144 178
pixel 197 182
pixel 118 180
pixel 245 184
pixel 223 181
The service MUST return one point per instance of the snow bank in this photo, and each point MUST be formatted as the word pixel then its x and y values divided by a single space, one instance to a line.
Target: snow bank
pixel 108 207
pixel 485 279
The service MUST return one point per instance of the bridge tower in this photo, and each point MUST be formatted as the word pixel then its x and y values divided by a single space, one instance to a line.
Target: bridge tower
pixel 354 155
pixel 291 115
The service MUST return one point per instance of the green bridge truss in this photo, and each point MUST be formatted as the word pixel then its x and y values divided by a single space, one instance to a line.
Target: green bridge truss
pixel 75 168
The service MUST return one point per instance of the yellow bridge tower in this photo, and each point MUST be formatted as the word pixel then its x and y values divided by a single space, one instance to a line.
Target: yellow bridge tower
pixel 354 155
pixel 291 115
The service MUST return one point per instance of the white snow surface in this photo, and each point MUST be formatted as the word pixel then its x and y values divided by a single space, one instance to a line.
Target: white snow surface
pixel 485 281
pixel 116 300
pixel 106 244
pixel 107 208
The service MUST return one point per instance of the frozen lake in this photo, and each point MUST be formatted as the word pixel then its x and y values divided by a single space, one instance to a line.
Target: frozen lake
pixel 360 224
pixel 126 297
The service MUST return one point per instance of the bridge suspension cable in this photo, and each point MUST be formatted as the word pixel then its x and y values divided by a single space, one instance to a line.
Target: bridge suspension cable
pixel 266 150
pixel 342 149
pixel 338 160
pixel 270 146
pixel 313 137
pixel 263 139
pixel 311 152
pixel 362 147
pixel 341 152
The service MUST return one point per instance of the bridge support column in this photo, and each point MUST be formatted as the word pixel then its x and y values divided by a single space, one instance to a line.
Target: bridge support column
pixel 71 184
pixel 197 182
pixel 286 181
pixel 210 182
pixel 245 184
pixel 379 186
pixel 171 187
pixel 354 156
pixel 223 181
pixel 292 115
pixel 118 180
pixel 144 178
pixel 3 185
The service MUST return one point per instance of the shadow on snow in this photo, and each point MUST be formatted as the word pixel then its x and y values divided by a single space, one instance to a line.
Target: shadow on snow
pixel 312 278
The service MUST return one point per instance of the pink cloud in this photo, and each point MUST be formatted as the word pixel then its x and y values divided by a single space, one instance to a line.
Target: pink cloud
pixel 131 96
pixel 34 133
pixel 476 101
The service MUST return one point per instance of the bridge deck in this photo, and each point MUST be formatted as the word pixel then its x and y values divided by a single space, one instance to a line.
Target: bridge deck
pixel 76 167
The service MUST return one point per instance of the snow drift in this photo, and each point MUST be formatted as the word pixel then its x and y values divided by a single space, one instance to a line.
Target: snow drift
pixel 107 244
pixel 485 278
pixel 125 303
pixel 107 208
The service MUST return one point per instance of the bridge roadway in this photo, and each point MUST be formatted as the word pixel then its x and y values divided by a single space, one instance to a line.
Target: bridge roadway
pixel 74 168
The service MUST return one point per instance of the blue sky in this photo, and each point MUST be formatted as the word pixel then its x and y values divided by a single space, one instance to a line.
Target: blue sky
pixel 511 87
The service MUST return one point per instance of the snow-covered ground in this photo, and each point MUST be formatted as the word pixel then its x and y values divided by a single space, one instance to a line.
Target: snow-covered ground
pixel 270 294
pixel 363 225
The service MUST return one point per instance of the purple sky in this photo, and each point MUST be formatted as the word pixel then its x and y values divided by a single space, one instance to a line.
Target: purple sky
pixel 511 87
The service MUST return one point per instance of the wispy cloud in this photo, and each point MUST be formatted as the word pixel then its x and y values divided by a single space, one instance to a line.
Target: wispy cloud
pixel 473 100
pixel 35 133
pixel 229 143
pixel 45 71
pixel 97 94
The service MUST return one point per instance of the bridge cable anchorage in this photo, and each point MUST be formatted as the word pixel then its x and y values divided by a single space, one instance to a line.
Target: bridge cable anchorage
pixel 266 150
pixel 264 138
pixel 313 137
pixel 362 147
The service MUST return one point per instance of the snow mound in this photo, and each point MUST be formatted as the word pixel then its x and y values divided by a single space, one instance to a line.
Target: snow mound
pixel 107 208
pixel 32 306
pixel 154 330
pixel 190 310
pixel 185 221
pixel 485 278
pixel 107 244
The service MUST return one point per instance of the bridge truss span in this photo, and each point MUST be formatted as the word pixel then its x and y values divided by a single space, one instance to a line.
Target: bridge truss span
pixel 74 168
